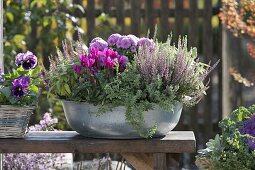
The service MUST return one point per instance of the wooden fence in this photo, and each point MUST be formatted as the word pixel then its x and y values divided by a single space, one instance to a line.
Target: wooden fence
pixel 182 18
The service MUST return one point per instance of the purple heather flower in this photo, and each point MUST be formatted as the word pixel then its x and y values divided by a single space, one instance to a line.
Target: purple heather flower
pixel 77 68
pixel 98 43
pixel 249 129
pixel 145 41
pixel 28 60
pixel 112 40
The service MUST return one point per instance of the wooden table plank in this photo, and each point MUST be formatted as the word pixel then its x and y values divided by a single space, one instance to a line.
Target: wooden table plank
pixel 72 142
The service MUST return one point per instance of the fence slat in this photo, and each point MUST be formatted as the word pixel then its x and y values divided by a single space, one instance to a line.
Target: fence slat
pixel 106 6
pixel 208 53
pixel 91 19
pixel 178 18
pixel 135 17
pixel 193 42
pixel 120 14
pixel 164 24
pixel 193 24
pixel 149 13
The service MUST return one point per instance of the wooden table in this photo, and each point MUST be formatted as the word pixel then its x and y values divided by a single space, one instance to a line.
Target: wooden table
pixel 141 153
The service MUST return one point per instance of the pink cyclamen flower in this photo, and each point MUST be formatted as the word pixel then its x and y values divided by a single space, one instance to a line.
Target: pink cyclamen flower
pixel 87 60
pixel 109 63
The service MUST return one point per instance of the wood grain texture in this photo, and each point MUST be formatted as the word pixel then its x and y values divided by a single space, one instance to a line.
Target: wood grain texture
pixel 139 160
pixel 159 162
pixel 72 142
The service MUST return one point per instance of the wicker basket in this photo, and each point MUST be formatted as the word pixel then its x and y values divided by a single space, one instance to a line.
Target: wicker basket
pixel 14 121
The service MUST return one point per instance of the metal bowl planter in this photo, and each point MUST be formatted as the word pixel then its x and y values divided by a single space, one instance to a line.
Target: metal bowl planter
pixel 82 118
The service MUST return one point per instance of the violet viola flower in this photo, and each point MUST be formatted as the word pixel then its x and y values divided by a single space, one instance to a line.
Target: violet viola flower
pixel 20 85
pixel 98 43
pixel 249 129
pixel 77 68
pixel 112 40
pixel 28 60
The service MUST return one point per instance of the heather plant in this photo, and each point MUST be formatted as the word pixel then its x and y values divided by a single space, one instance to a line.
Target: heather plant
pixel 31 161
pixel 235 148
pixel 21 87
pixel 138 73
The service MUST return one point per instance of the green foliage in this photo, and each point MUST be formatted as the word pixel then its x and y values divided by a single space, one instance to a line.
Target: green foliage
pixel 229 151
pixel 6 96
pixel 40 26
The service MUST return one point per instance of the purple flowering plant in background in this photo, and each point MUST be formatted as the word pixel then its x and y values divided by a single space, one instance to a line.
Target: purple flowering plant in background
pixel 234 148
pixel 21 87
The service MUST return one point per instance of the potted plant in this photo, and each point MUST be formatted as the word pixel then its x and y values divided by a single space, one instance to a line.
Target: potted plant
pixel 235 148
pixel 18 95
pixel 126 87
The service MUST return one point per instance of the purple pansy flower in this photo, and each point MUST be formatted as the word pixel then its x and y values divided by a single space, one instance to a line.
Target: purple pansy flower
pixel 249 129
pixel 20 85
pixel 19 59
pixel 98 43
pixel 112 40
pixel 28 60
pixel 18 91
